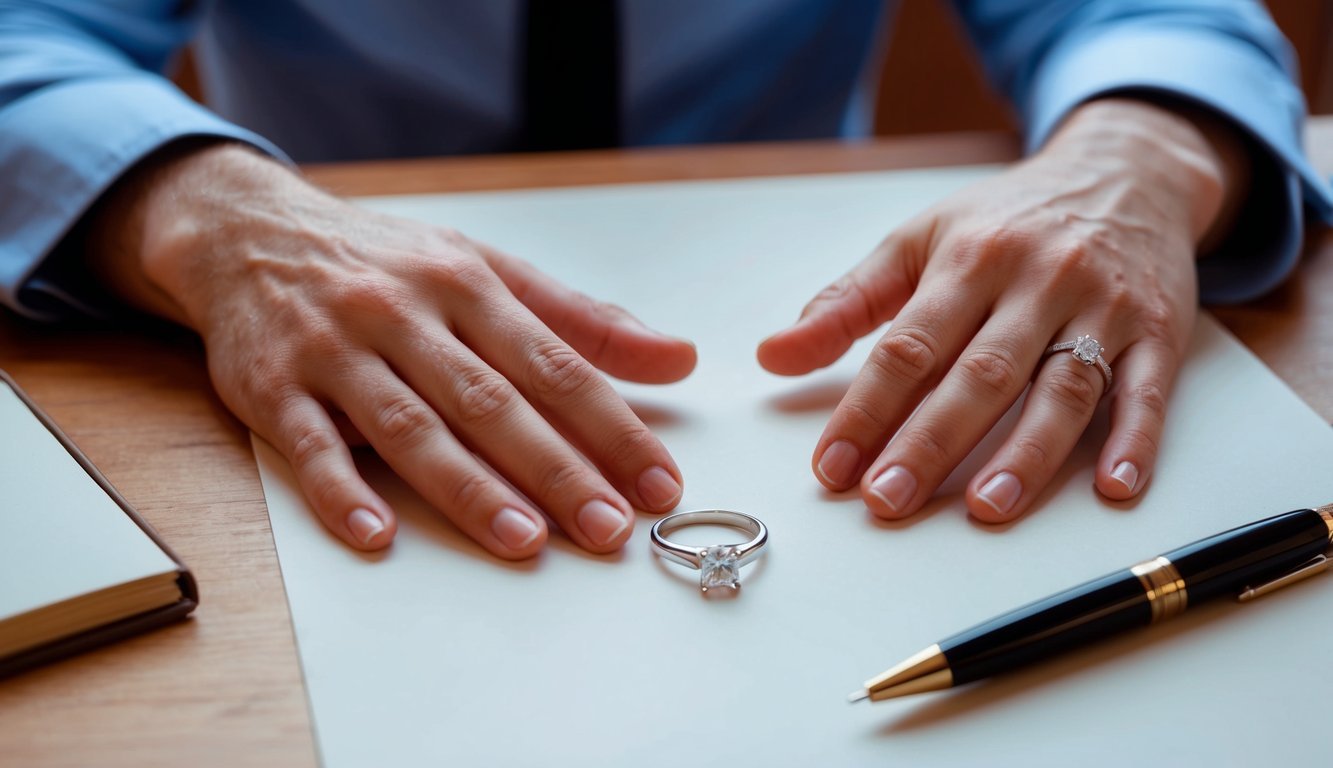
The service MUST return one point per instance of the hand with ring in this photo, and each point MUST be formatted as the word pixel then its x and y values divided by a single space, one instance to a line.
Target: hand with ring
pixel 1078 259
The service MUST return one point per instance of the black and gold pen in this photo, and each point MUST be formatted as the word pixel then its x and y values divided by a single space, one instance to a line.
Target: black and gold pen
pixel 1248 561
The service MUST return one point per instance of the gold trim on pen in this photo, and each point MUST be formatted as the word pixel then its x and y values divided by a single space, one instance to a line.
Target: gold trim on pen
pixel 1315 566
pixel 1163 587
pixel 925 671
pixel 1326 512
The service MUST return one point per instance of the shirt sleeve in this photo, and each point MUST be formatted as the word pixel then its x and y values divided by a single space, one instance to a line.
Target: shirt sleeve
pixel 1226 56
pixel 81 102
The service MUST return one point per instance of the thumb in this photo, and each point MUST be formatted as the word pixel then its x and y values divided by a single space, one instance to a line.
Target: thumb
pixel 604 334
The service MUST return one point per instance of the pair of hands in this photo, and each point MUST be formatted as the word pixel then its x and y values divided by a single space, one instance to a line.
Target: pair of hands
pixel 328 325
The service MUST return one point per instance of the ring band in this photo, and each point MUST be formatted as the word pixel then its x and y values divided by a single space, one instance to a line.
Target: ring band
pixel 1086 350
pixel 718 565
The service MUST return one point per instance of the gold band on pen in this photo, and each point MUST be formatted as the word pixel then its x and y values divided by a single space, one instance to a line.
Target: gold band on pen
pixel 1163 587
pixel 1326 512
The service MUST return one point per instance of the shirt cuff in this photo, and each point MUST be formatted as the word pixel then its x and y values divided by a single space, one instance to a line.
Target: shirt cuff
pixel 61 148
pixel 1232 78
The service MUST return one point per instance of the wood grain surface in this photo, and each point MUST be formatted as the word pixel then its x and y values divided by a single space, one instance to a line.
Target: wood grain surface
pixel 224 688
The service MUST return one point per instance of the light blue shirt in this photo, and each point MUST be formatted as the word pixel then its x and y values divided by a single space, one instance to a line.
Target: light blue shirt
pixel 82 99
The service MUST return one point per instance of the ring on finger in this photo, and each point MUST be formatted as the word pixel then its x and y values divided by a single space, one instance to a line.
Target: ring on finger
pixel 1086 350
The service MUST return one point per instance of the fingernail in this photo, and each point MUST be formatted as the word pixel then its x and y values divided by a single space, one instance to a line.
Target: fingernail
pixel 658 489
pixel 1126 474
pixel 364 524
pixel 513 528
pixel 1001 492
pixel 838 464
pixel 895 487
pixel 601 522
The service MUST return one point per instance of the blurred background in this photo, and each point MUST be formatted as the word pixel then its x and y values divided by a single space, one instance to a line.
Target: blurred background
pixel 948 91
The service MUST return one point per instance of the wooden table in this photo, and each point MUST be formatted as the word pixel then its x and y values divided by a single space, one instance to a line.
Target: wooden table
pixel 225 687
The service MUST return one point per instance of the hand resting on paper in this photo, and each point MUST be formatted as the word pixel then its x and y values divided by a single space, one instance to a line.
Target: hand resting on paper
pixel 326 323
pixel 1094 235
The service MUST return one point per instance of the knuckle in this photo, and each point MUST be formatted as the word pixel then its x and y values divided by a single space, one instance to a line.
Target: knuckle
pixel 1142 440
pixel 308 445
pixel 452 237
pixel 984 250
pixel 846 288
pixel 1150 398
pixel 458 274
pixel 329 495
pixel 582 303
pixel 483 396
pixel 1030 452
pixel 556 371
pixel 1066 270
pixel 1072 389
pixel 1156 318
pixel 1119 299
pixel 323 341
pixel 262 378
pixel 927 447
pixel 992 370
pixel 908 354
pixel 404 422
pixel 608 316
pixel 376 297
pixel 273 408
pixel 860 299
pixel 556 478
pixel 1073 255
pixel 833 291
pixel 1097 235
pixel 629 446
pixel 1075 268
pixel 862 418
pixel 848 300
pixel 469 492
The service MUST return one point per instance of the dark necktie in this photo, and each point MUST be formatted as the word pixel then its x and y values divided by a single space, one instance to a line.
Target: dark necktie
pixel 571 76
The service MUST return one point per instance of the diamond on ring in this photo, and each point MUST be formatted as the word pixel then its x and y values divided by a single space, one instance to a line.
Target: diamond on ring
pixel 718 565
pixel 1088 351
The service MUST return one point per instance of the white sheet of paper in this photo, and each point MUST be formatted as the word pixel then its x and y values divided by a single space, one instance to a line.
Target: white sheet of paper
pixel 436 653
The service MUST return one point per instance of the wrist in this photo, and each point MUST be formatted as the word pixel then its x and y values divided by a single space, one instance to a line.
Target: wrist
pixel 198 206
pixel 153 232
pixel 1185 151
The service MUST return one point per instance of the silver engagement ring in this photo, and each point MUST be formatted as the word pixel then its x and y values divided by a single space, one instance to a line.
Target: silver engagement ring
pixel 1086 350
pixel 719 565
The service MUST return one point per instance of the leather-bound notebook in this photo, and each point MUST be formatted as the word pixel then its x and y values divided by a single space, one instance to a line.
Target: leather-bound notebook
pixel 78 566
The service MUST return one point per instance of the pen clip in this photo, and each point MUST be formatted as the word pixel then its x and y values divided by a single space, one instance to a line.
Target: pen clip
pixel 1309 568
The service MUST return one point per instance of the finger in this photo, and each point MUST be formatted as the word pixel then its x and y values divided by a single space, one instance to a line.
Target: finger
pixel 604 334
pixel 412 439
pixel 1059 407
pixel 305 435
pixel 570 394
pixel 487 412
pixel 856 304
pixel 348 430
pixel 1145 374
pixel 903 366
pixel 980 387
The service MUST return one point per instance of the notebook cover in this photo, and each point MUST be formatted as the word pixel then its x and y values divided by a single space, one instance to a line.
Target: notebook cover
pixel 132 625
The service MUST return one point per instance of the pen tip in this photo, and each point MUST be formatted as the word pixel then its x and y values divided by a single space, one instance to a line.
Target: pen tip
pixel 856 696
